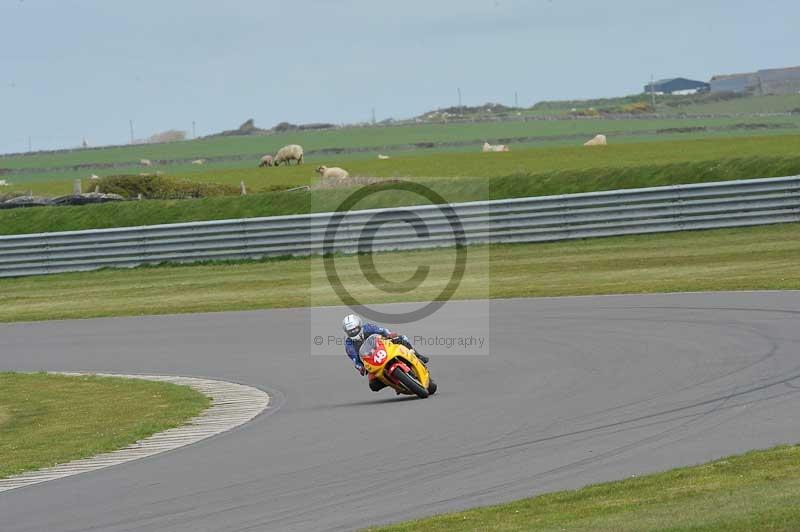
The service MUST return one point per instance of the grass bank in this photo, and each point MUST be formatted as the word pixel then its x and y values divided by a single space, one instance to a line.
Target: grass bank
pixel 457 177
pixel 766 257
pixel 50 419
pixel 759 490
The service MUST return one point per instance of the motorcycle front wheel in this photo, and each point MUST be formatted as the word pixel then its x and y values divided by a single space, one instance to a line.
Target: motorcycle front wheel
pixel 411 384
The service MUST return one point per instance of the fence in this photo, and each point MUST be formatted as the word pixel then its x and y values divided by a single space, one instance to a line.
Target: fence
pixel 588 215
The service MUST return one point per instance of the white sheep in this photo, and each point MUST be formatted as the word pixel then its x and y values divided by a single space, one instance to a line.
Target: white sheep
pixel 265 161
pixel 334 172
pixel 145 162
pixel 382 156
pixel 3 183
pixel 597 140
pixel 94 177
pixel 291 152
pixel 199 161
pixel 494 148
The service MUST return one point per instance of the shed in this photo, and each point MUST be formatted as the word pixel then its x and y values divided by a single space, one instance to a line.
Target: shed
pixel 779 81
pixel 747 82
pixel 676 85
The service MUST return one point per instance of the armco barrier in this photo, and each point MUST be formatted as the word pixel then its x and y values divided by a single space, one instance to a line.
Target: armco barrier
pixel 595 214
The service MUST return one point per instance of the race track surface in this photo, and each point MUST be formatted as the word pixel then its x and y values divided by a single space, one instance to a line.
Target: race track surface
pixel 575 391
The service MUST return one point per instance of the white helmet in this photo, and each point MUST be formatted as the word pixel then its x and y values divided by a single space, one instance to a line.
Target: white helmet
pixel 353 327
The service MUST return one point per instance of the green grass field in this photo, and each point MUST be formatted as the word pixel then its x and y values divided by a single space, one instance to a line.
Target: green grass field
pixel 523 162
pixel 456 176
pixel 759 490
pixel 51 419
pixel 765 257
pixel 58 167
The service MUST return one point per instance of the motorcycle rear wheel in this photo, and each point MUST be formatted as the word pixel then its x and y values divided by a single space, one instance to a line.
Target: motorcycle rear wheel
pixel 411 384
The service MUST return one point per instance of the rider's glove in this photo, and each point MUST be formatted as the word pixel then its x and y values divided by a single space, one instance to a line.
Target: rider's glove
pixel 361 369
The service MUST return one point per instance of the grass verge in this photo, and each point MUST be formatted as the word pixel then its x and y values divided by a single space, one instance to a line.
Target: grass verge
pixel 50 419
pixel 766 257
pixel 759 490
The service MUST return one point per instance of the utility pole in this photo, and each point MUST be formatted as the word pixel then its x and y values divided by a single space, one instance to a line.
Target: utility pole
pixel 516 100
pixel 652 92
pixel 194 131
pixel 130 122
pixel 29 144
pixel 373 116
pixel 459 99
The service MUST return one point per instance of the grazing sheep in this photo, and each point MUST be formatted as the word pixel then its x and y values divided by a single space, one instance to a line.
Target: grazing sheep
pixel 3 183
pixel 597 140
pixel 199 161
pixel 291 152
pixel 94 177
pixel 494 148
pixel 382 156
pixel 265 161
pixel 334 172
pixel 145 162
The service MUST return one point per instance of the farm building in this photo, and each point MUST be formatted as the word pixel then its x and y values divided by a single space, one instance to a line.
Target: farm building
pixel 734 82
pixel 779 80
pixel 763 82
pixel 676 86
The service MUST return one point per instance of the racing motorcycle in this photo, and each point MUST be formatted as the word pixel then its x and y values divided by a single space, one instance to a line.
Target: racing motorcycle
pixel 396 366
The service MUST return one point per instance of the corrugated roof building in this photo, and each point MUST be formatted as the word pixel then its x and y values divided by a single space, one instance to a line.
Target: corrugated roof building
pixel 674 85
pixel 779 80
pixel 763 82
pixel 735 83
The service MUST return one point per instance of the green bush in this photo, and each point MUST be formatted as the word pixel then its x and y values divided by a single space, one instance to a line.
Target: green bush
pixel 636 108
pixel 152 186
pixel 585 112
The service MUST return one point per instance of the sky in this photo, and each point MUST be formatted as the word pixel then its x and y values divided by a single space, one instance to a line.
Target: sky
pixel 75 69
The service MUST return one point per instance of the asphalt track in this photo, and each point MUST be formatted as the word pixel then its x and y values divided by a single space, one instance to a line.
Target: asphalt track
pixel 575 391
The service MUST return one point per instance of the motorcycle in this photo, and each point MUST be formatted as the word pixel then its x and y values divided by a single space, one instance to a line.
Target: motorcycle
pixel 396 366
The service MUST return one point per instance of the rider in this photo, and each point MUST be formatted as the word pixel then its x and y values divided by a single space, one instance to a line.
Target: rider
pixel 357 332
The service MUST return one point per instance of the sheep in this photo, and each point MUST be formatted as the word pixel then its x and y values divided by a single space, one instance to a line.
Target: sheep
pixel 145 162
pixel 94 177
pixel 3 183
pixel 494 148
pixel 334 172
pixel 265 161
pixel 597 140
pixel 291 152
pixel 382 156
pixel 199 161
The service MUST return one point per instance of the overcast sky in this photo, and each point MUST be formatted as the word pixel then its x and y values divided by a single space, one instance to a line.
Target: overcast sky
pixel 82 68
